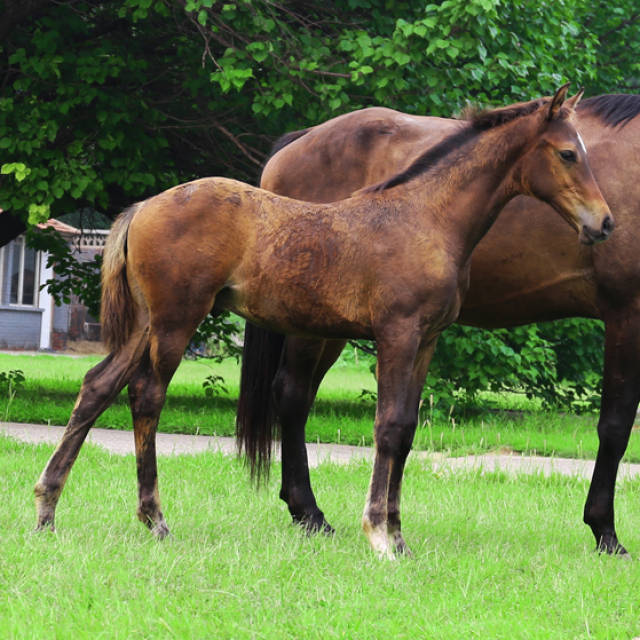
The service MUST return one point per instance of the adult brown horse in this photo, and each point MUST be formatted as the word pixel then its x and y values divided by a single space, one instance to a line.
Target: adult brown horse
pixel 390 264
pixel 513 282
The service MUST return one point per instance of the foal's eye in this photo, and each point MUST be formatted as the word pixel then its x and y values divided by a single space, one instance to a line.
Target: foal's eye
pixel 568 155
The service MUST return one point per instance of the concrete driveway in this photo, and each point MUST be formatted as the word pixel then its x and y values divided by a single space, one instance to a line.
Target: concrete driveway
pixel 121 443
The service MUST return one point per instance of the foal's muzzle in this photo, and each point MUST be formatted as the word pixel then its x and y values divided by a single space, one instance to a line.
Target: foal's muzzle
pixel 588 235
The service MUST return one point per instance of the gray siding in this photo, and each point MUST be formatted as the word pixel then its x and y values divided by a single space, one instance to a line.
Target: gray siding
pixel 20 328
pixel 61 318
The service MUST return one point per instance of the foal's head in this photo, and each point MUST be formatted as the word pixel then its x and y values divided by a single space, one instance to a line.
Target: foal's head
pixel 556 170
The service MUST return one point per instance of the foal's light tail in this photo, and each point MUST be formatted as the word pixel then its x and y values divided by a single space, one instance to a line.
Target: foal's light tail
pixel 117 309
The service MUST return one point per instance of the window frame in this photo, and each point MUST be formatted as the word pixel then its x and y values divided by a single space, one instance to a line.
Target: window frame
pixel 6 294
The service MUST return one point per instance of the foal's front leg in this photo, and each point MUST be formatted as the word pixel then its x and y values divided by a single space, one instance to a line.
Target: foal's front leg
pixel 397 470
pixel 402 365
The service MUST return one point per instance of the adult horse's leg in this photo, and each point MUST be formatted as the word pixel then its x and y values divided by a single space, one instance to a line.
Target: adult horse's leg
pixel 304 364
pixel 620 396
pixel 100 387
pixel 402 365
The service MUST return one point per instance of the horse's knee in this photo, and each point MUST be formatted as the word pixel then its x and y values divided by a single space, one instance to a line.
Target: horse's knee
pixel 395 437
pixel 290 394
pixel 613 434
pixel 146 399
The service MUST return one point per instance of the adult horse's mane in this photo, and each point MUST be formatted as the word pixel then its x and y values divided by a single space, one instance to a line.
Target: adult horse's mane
pixel 479 121
pixel 613 109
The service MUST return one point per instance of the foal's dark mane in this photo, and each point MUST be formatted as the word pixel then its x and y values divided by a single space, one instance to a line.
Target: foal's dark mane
pixel 613 109
pixel 479 121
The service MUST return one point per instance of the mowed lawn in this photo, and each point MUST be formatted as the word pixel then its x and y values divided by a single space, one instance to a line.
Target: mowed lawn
pixel 496 556
pixel 341 413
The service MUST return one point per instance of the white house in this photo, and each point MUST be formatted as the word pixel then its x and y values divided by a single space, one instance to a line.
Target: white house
pixel 29 318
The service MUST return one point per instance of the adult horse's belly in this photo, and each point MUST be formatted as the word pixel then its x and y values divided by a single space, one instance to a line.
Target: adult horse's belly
pixel 530 267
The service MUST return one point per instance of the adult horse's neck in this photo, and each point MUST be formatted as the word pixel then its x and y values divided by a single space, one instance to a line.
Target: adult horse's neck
pixel 466 190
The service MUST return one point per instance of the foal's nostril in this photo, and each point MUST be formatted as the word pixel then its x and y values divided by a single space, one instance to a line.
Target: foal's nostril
pixel 607 225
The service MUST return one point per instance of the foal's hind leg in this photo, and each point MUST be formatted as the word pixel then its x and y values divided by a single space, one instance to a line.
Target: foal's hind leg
pixel 146 398
pixel 99 388
pixel 147 393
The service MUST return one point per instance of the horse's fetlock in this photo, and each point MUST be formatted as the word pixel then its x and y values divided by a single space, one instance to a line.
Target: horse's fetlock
pixel 47 492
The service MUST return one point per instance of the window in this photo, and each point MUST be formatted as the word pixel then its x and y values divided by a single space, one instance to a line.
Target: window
pixel 19 266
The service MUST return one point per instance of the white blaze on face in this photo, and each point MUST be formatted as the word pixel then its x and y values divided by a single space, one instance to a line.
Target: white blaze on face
pixel 581 141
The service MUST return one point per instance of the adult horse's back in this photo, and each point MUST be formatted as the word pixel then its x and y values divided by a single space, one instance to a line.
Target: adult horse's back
pixel 512 282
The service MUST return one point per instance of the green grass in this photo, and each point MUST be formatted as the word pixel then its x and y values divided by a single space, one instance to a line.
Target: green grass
pixel 504 422
pixel 495 557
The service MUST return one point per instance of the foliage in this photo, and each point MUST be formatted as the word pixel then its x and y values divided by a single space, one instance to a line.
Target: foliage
pixel 102 104
pixel 218 337
pixel 11 380
pixel 559 362
pixel 73 276
pixel 214 384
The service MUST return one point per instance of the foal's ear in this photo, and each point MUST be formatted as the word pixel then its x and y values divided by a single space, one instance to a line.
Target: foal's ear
pixel 558 101
pixel 572 102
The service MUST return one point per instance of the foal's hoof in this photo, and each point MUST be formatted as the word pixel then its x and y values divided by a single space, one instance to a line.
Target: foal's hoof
pixel 155 523
pixel 160 530
pixel 44 526
pixel 313 524
pixel 45 518
pixel 402 549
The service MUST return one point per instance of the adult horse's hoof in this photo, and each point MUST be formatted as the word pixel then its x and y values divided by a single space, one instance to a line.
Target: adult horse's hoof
pixel 609 544
pixel 313 524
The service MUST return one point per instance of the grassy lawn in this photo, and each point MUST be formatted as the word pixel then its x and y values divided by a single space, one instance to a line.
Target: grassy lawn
pixel 495 557
pixel 340 414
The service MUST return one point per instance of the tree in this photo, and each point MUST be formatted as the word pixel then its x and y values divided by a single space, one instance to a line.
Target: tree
pixel 103 104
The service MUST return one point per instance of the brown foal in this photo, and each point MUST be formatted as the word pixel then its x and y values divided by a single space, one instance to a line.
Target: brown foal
pixel 391 263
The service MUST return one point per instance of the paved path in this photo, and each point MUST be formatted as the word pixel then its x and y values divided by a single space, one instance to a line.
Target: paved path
pixel 121 443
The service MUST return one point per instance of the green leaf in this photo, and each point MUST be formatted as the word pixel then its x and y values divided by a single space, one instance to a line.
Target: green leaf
pixel 38 213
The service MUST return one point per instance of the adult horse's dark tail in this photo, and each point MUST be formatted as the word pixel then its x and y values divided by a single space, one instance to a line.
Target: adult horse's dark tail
pixel 256 422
